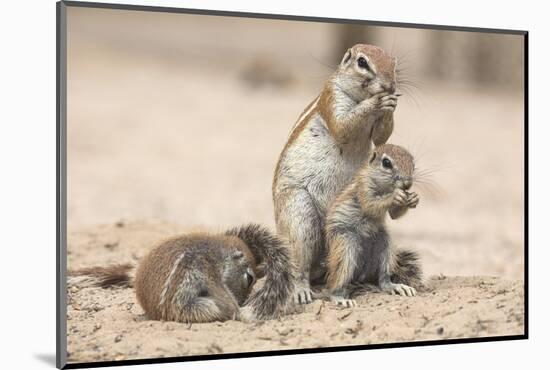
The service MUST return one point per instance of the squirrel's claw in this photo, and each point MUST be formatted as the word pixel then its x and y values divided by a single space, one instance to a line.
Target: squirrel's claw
pixel 303 296
pixel 343 302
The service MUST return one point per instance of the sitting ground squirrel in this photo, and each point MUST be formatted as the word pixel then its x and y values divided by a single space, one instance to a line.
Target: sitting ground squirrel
pixel 202 277
pixel 359 247
pixel 326 147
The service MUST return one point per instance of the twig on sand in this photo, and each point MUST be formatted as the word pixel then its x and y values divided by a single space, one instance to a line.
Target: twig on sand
pixel 318 314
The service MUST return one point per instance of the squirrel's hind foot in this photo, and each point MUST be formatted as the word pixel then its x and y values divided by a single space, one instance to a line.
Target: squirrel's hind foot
pixel 303 294
pixel 399 289
pixel 343 302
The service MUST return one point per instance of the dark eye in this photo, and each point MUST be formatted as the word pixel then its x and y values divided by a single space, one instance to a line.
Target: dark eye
pixel 249 279
pixel 386 163
pixel 362 63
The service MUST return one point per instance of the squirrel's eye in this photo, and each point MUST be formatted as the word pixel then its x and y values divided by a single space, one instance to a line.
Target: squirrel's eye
pixel 362 63
pixel 249 279
pixel 387 163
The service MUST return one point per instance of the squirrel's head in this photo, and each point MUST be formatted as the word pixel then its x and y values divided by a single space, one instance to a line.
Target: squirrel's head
pixel 366 70
pixel 389 167
pixel 239 274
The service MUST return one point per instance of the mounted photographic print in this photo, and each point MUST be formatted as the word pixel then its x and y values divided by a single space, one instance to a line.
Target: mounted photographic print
pixel 235 185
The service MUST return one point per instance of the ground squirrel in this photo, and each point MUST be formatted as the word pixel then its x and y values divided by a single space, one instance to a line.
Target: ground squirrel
pixel 359 249
pixel 202 277
pixel 326 147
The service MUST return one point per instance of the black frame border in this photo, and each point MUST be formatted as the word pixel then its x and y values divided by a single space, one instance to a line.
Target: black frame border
pixel 61 184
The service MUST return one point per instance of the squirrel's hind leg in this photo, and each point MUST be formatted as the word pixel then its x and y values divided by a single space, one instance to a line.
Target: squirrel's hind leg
pixel 384 273
pixel 299 220
pixel 197 302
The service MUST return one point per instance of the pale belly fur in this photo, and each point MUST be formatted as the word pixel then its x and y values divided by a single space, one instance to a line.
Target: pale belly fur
pixel 315 162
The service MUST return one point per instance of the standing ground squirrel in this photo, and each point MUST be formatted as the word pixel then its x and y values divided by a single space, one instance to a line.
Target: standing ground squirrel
pixel 359 249
pixel 326 147
pixel 202 277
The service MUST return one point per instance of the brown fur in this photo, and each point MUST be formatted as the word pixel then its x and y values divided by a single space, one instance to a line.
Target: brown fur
pixel 300 126
pixel 385 65
pixel 359 248
pixel 327 145
pixel 201 277
pixel 271 253
pixel 198 271
pixel 339 268
pixel 381 133
pixel 325 107
pixel 114 275
pixel 383 61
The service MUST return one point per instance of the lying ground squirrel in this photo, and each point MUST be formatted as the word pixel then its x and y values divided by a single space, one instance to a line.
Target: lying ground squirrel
pixel 326 147
pixel 359 247
pixel 206 277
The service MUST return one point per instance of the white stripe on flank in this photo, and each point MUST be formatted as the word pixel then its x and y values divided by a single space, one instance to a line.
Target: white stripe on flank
pixel 304 115
pixel 169 278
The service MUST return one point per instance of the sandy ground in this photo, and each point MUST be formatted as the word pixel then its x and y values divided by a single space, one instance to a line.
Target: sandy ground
pixel 109 324
pixel 164 135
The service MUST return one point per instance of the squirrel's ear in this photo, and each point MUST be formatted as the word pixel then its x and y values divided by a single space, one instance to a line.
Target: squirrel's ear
pixel 372 157
pixel 346 58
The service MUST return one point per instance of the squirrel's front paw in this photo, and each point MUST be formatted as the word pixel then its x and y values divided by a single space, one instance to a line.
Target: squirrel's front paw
pixel 388 103
pixel 303 293
pixel 400 289
pixel 380 102
pixel 412 200
pixel 400 197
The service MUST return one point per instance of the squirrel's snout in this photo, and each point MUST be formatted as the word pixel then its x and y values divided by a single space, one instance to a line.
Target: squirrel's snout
pixel 404 183
pixel 387 85
pixel 407 183
pixel 390 87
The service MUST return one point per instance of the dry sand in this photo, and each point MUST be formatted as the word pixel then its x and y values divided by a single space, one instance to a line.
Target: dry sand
pixel 109 324
pixel 165 136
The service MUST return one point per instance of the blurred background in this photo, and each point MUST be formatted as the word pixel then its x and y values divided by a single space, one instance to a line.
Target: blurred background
pixel 181 118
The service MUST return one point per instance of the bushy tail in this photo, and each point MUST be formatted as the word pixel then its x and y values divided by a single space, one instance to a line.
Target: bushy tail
pixel 103 277
pixel 273 298
pixel 406 268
